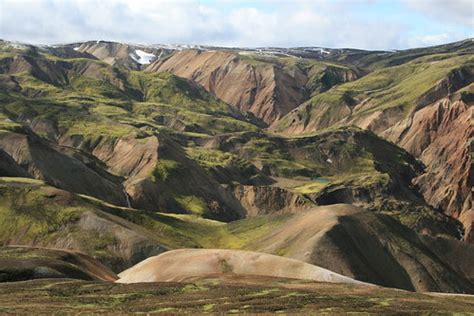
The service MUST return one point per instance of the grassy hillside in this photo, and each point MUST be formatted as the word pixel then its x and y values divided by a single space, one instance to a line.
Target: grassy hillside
pixel 394 90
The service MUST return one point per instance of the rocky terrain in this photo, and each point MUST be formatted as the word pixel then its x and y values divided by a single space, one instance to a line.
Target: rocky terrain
pixel 334 165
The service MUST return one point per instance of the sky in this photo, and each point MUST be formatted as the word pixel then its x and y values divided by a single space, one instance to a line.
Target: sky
pixel 365 24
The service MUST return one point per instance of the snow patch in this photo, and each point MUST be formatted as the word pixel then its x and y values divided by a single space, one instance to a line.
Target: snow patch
pixel 76 48
pixel 142 57
pixel 323 51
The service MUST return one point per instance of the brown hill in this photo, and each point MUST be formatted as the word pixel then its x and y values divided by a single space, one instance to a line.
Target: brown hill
pixel 178 265
pixel 268 88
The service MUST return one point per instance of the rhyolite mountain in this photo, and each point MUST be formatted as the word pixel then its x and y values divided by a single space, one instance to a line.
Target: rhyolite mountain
pixel 359 162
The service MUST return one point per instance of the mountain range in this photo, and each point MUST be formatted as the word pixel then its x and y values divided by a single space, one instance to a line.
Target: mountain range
pixel 353 161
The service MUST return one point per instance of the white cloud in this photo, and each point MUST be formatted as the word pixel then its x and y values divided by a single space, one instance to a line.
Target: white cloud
pixel 451 11
pixel 428 40
pixel 230 23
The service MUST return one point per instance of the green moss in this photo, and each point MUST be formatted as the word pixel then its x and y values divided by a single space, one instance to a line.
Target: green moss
pixel 312 187
pixel 164 169
pixel 98 244
pixel 192 204
pixel 28 210
pixel 108 110
pixel 97 88
pixel 165 88
pixel 93 128
pixel 208 307
pixel 210 157
pixel 8 125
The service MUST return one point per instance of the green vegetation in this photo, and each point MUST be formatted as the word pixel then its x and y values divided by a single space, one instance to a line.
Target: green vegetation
pixel 174 98
pixel 193 231
pixel 312 186
pixel 352 151
pixel 109 111
pixel 210 157
pixel 164 169
pixel 94 100
pixel 7 124
pixel 28 210
pixel 91 129
pixel 219 296
pixel 192 204
pixel 397 87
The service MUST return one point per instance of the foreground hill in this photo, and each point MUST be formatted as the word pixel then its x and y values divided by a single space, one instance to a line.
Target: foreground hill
pixel 178 265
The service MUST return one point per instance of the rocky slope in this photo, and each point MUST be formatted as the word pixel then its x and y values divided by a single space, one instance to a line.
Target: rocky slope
pixel 441 134
pixel 268 88
pixel 34 214
pixel 40 160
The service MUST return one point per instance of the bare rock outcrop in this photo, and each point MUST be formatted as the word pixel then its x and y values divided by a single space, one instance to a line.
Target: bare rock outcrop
pixel 441 135
pixel 261 200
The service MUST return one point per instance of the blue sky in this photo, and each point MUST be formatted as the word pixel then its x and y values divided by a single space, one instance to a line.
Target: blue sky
pixel 368 24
